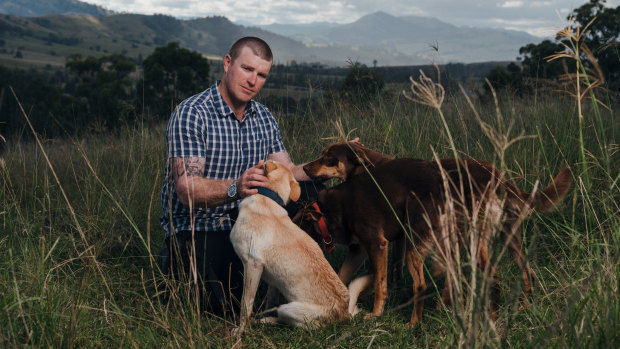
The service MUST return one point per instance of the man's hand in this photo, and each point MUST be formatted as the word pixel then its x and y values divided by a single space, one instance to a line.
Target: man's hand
pixel 250 179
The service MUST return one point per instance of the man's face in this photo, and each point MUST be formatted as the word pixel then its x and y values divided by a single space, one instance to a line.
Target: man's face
pixel 244 77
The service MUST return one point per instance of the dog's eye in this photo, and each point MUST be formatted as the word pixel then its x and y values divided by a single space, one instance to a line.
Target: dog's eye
pixel 330 161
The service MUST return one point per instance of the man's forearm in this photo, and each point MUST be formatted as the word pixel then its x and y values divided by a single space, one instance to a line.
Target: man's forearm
pixel 203 192
pixel 193 190
pixel 299 173
pixel 285 159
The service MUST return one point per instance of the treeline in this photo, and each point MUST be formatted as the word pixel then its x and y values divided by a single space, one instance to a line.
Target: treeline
pixel 99 93
pixel 596 48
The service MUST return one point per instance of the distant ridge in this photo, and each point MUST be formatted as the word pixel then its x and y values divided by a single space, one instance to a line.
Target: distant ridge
pixel 413 35
pixel 33 8
pixel 47 31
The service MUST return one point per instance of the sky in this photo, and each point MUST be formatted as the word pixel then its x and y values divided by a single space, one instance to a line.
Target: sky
pixel 540 18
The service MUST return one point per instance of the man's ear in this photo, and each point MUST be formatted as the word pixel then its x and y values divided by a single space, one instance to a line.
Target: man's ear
pixel 226 63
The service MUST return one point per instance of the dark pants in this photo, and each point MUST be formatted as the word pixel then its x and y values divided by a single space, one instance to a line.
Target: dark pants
pixel 218 267
pixel 220 271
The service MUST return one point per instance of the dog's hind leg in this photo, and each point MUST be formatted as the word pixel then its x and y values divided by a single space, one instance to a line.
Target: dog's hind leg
pixel 398 256
pixel 352 262
pixel 483 264
pixel 356 287
pixel 299 314
pixel 439 269
pixel 512 235
pixel 252 271
pixel 416 269
pixel 378 252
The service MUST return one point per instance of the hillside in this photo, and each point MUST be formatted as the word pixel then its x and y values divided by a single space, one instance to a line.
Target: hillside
pixel 47 40
pixel 414 36
pixel 32 8
pixel 44 32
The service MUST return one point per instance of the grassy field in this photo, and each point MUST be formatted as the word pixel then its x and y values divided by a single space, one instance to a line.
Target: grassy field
pixel 79 223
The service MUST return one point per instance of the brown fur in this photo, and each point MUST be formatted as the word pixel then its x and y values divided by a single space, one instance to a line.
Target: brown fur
pixel 344 160
pixel 357 211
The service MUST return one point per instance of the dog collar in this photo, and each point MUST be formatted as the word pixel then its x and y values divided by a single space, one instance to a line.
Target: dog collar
pixel 270 194
pixel 327 237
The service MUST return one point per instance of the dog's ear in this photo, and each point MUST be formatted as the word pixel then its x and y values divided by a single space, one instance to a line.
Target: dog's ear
pixel 270 166
pixel 306 213
pixel 295 190
pixel 358 154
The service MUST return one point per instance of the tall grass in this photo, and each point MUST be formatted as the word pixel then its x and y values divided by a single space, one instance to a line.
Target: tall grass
pixel 79 222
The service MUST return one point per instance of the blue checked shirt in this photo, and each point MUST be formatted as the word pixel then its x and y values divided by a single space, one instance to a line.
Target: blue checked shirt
pixel 205 126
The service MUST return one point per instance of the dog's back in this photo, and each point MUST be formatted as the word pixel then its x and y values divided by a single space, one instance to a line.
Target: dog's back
pixel 385 199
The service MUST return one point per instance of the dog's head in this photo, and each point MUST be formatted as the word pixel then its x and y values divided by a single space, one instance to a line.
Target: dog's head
pixel 343 160
pixel 281 181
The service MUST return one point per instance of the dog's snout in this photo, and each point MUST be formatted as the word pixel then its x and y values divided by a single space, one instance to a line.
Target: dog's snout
pixel 308 169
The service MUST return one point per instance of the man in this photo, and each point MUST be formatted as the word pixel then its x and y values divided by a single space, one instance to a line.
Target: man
pixel 217 142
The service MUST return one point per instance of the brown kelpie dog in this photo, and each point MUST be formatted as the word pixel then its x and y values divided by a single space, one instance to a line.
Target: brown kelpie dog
pixel 344 160
pixel 378 205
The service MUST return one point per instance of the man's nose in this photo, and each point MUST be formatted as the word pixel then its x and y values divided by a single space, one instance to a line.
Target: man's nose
pixel 252 79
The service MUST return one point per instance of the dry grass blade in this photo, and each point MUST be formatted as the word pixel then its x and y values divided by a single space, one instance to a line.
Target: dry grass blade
pixel 78 226
pixel 426 91
pixel 592 59
pixel 342 135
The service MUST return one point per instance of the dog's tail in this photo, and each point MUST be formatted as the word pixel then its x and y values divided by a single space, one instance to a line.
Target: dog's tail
pixel 554 193
pixel 356 287
pixel 546 200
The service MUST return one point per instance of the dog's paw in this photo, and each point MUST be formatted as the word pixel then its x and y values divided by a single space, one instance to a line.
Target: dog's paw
pixel 412 324
pixel 269 320
pixel 370 316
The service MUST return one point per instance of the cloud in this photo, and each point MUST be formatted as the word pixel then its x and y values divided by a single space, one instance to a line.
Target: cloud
pixel 538 4
pixel 510 14
pixel 536 27
pixel 511 4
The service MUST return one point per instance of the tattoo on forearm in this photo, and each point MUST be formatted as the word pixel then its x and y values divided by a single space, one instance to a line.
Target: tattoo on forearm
pixel 190 167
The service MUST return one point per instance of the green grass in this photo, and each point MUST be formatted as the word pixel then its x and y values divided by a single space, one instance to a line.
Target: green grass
pixel 78 272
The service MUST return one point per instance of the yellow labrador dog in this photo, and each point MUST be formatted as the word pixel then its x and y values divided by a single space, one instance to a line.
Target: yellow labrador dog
pixel 275 249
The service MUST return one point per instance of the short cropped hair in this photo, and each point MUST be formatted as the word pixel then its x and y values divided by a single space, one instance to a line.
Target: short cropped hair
pixel 257 45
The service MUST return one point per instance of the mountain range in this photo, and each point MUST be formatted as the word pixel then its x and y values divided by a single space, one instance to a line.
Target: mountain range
pixel 375 39
pixel 421 37
pixel 31 8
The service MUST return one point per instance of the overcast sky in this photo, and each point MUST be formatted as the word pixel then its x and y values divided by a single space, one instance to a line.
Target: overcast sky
pixel 535 17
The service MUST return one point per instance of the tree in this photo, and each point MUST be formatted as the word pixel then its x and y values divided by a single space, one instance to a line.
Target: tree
pixel 509 78
pixel 50 111
pixel 535 63
pixel 601 37
pixel 171 74
pixel 361 83
pixel 106 87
